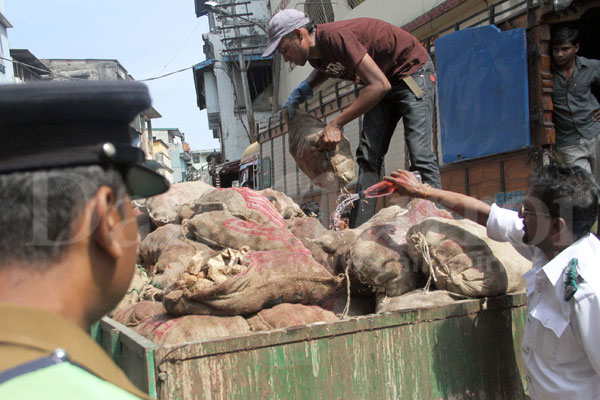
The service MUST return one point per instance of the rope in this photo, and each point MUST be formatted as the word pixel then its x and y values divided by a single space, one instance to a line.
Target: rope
pixel 347 308
pixel 423 247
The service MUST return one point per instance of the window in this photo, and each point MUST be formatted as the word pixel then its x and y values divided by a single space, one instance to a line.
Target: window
pixel 196 158
pixel 354 3
pixel 260 84
pixel 265 172
pixel 319 11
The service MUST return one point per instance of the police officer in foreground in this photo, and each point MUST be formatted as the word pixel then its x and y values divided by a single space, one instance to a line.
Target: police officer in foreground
pixel 560 349
pixel 68 235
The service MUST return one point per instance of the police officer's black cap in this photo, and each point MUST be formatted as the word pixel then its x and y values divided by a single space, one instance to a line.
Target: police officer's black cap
pixel 50 125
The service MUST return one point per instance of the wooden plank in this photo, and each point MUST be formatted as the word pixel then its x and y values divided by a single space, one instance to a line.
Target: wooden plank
pixel 484 180
pixel 516 171
pixel 453 180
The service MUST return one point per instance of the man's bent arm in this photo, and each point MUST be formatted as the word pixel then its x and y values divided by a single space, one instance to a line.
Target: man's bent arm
pixel 377 86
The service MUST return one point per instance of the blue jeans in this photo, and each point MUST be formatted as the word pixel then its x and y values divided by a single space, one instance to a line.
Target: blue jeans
pixel 378 127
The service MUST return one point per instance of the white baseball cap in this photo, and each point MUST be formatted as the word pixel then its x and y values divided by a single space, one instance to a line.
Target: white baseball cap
pixel 282 24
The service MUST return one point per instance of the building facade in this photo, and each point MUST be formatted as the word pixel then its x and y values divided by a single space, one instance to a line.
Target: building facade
pixel 111 70
pixel 6 68
pixel 27 67
pixel 234 84
pixel 162 156
pixel 203 165
pixel 179 159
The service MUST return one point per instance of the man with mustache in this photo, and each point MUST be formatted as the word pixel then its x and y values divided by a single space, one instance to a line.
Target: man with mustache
pixel 552 228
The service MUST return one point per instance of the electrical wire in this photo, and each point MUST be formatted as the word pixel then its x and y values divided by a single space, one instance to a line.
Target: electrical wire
pixel 165 75
pixel 84 79
pixel 181 47
pixel 46 71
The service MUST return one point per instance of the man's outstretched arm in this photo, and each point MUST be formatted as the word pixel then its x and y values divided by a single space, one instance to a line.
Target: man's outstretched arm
pixel 466 206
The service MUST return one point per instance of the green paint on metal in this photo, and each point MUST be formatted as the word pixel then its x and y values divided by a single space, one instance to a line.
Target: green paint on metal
pixel 151 373
pixel 96 332
pixel 115 346
pixel 467 350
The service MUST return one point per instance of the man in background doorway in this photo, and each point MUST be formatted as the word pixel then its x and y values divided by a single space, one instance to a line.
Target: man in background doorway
pixel 576 109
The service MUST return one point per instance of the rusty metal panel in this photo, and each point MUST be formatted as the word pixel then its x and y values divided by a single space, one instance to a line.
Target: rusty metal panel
pixel 468 350
pixel 290 169
pixel 278 177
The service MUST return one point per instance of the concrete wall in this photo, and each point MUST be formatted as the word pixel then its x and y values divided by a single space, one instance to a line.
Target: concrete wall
pixel 88 69
pixel 178 165
pixel 233 130
pixel 234 138
pixel 203 154
pixel 161 154
pixel 174 151
pixel 8 75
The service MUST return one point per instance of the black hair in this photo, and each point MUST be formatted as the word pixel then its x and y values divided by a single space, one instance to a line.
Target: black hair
pixel 310 27
pixel 568 192
pixel 40 207
pixel 565 34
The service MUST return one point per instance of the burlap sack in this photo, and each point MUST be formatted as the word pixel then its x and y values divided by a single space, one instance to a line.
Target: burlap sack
pixel 167 247
pixel 331 170
pixel 163 209
pixel 169 276
pixel 284 204
pixel 144 223
pixel 243 203
pixel 327 247
pixel 287 315
pixel 134 314
pixel 191 328
pixel 221 229
pixel 417 299
pixel 140 283
pixel 460 258
pixel 268 278
pixel 379 256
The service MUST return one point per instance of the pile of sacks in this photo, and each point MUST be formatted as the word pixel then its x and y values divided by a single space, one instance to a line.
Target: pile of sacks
pixel 222 262
pixel 420 256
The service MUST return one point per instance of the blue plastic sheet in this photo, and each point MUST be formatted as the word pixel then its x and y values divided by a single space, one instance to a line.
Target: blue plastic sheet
pixel 483 92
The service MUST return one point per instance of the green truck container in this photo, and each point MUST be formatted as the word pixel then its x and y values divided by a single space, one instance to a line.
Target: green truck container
pixel 465 350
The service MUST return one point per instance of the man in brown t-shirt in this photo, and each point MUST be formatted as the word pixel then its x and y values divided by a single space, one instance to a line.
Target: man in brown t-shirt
pixel 398 79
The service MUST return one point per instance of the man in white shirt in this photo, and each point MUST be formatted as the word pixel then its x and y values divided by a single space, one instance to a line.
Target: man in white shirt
pixel 560 349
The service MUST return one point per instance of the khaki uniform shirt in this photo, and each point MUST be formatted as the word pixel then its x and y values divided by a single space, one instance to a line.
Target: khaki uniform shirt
pixel 27 334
